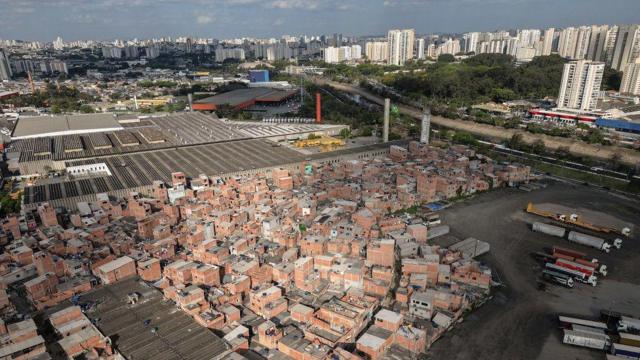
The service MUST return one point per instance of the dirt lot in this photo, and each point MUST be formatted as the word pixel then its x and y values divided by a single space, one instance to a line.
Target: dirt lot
pixel 520 322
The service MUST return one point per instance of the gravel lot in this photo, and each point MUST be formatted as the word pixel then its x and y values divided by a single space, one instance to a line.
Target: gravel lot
pixel 520 322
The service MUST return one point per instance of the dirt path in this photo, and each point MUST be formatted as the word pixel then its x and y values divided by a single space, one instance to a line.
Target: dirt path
pixel 579 148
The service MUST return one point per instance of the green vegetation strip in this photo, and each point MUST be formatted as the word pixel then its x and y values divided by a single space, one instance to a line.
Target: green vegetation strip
pixel 573 174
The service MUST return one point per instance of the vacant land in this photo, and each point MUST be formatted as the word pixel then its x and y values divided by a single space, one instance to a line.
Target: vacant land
pixel 520 322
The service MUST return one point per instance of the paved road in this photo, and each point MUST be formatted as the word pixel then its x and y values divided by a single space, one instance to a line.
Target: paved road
pixel 628 156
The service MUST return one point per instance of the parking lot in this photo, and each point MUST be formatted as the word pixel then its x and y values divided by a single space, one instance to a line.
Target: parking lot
pixel 520 321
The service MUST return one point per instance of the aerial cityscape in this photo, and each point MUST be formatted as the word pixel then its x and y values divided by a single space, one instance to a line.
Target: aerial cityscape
pixel 387 180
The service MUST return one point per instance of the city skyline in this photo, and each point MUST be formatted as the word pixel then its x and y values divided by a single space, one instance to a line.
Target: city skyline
pixel 106 20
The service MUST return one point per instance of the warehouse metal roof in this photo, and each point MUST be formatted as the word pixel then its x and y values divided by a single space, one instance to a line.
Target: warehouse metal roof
pixel 240 96
pixel 41 126
pixel 622 125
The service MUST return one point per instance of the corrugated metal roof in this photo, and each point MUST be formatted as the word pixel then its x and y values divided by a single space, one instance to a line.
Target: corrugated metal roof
pixel 46 125
pixel 618 124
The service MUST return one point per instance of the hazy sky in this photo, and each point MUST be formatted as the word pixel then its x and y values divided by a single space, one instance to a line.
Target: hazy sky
pixel 108 19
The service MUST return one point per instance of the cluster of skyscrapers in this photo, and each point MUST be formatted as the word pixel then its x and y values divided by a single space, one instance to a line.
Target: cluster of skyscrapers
pixel 399 47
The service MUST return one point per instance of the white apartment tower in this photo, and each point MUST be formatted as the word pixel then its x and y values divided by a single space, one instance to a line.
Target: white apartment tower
pixel 597 42
pixel 631 78
pixel 580 85
pixel 420 49
pixel 574 42
pixel 471 41
pixel 377 51
pixel 547 42
pixel 627 47
pixel 58 43
pixel 401 46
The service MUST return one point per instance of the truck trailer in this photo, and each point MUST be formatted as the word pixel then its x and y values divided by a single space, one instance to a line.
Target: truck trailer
pixel 629 339
pixel 580 258
pixel 586 339
pixel 626 351
pixel 571 321
pixel 627 324
pixel 573 265
pixel 577 275
pixel 548 229
pixel 558 278
pixel 592 241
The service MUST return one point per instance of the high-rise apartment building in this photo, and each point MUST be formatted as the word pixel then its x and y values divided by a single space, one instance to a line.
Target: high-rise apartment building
pixel 627 47
pixel 401 46
pixel 573 43
pixel 597 42
pixel 631 78
pixel 58 43
pixel 580 85
pixel 5 68
pixel 582 43
pixel 528 37
pixel 377 51
pixel 471 41
pixel 610 44
pixel 450 46
pixel 333 55
pixel 420 49
pixel 547 42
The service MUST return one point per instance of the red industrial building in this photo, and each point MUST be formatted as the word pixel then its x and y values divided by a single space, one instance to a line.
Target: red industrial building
pixel 243 98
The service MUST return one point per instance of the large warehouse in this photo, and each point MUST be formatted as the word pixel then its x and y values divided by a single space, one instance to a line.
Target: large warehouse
pixel 144 150
pixel 243 98
pixel 43 126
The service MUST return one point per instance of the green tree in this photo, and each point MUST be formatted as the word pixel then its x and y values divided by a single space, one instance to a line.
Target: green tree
pixel 500 95
pixel 345 133
pixel 516 142
pixel 87 109
pixel 538 147
pixel 465 138
pixel 594 136
pixel 446 58
pixel 611 79
pixel 366 131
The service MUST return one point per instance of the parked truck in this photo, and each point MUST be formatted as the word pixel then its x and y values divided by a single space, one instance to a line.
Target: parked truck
pixel 576 275
pixel 570 321
pixel 586 339
pixel 580 258
pixel 626 351
pixel 588 269
pixel 628 324
pixel 557 277
pixel 548 229
pixel 629 339
pixel 592 241
pixel 576 220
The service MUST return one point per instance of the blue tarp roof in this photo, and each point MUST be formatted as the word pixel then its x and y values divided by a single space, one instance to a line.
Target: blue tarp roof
pixel 618 124
pixel 434 206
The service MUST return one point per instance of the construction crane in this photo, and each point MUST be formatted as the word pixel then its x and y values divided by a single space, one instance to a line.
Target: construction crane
pixel 574 219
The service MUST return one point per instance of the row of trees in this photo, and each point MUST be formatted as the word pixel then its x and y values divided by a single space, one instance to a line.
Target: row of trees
pixel 60 98
pixel 482 78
